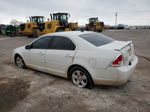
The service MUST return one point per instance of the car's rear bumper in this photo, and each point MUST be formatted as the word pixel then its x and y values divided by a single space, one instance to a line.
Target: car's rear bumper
pixel 116 75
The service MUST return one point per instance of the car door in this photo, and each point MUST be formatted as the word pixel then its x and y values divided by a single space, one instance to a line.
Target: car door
pixel 35 56
pixel 60 53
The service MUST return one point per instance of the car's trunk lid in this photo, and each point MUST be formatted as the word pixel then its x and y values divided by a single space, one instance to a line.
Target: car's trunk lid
pixel 124 47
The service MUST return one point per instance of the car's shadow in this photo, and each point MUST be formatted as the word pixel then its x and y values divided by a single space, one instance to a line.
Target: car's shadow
pixel 94 87
pixel 40 73
pixel 44 74
pixel 104 87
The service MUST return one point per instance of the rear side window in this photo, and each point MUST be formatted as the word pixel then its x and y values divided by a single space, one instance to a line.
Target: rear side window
pixel 96 39
pixel 61 43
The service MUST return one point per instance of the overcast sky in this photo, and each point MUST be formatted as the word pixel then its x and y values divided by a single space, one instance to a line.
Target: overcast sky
pixel 130 12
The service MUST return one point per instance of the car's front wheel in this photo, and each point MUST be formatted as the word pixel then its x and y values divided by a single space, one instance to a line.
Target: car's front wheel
pixel 19 62
pixel 81 78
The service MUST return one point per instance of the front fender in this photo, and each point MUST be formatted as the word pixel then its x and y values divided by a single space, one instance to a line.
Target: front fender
pixel 19 51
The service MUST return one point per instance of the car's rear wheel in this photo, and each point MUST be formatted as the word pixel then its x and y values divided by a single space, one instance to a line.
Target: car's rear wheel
pixel 81 78
pixel 19 62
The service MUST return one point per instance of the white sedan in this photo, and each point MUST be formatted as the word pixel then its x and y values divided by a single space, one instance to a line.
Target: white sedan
pixel 86 58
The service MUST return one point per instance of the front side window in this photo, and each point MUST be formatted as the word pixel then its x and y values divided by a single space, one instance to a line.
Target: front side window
pixel 64 17
pixel 55 17
pixel 61 43
pixel 41 43
pixel 96 39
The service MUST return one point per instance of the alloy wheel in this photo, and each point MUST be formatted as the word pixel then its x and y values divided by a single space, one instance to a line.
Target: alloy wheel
pixel 79 78
pixel 19 62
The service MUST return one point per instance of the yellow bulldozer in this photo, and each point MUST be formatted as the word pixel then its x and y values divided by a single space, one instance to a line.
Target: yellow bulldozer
pixel 29 28
pixel 59 22
pixel 94 25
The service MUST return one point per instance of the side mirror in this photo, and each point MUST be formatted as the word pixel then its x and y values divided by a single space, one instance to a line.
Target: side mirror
pixel 28 46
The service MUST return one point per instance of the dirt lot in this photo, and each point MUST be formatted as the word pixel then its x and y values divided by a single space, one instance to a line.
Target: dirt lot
pixel 26 90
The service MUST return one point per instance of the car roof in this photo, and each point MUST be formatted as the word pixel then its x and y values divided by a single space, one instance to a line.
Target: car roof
pixel 74 36
pixel 69 33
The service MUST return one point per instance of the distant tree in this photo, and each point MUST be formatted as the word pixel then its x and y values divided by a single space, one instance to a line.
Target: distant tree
pixel 15 22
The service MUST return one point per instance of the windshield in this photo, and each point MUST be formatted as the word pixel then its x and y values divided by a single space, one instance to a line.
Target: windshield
pixel 93 20
pixel 60 17
pixel 37 19
pixel 96 39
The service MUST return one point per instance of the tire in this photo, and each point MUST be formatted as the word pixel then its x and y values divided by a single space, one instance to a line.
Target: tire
pixel 19 62
pixel 81 78
pixel 87 29
pixel 99 31
pixel 34 35
pixel 59 30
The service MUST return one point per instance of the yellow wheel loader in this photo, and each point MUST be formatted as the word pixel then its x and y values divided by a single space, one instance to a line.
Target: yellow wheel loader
pixel 73 26
pixel 95 25
pixel 29 28
pixel 58 23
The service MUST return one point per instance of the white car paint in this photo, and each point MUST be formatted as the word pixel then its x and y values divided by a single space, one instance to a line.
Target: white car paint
pixel 96 60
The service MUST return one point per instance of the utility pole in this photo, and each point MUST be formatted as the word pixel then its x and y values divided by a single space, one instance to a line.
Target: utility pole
pixel 116 19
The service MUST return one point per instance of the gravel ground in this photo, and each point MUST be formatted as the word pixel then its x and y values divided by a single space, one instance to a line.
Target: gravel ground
pixel 27 90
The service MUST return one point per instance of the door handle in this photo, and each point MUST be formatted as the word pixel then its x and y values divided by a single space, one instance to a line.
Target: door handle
pixel 40 53
pixel 68 55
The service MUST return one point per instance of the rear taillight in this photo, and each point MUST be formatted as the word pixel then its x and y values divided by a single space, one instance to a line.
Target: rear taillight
pixel 118 61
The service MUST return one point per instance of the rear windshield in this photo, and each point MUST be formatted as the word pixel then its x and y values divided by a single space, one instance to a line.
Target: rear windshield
pixel 96 39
